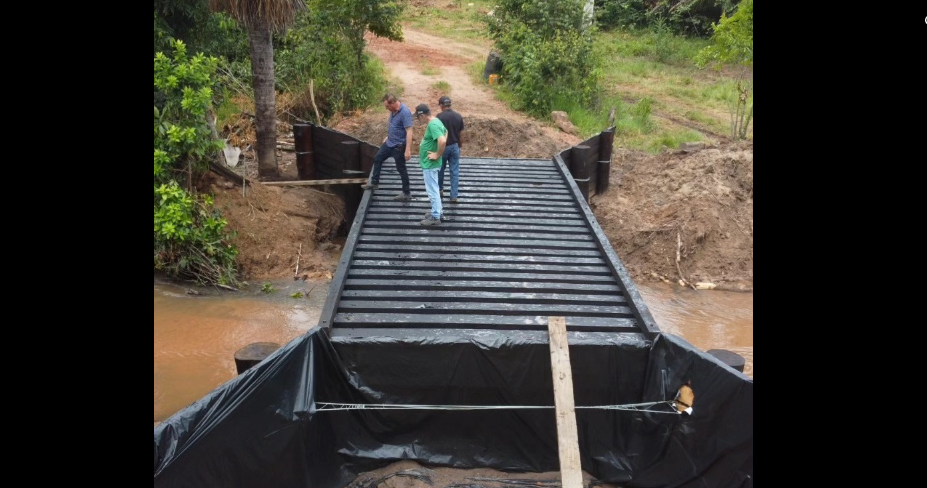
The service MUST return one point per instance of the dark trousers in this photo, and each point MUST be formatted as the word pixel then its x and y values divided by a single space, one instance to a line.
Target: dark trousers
pixel 398 153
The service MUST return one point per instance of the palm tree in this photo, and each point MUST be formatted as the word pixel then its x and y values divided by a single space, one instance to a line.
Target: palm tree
pixel 262 18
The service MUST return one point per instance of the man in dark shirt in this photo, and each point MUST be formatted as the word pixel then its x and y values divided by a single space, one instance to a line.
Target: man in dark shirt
pixel 398 144
pixel 454 124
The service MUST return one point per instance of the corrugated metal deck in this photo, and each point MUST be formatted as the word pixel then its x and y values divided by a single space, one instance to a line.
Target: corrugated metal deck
pixel 520 246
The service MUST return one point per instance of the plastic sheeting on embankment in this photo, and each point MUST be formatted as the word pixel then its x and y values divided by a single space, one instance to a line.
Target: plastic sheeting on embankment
pixel 261 428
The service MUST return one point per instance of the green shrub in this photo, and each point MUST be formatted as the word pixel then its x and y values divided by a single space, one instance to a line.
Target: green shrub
pixel 191 21
pixel 190 241
pixel 732 40
pixel 344 77
pixel 546 53
pixel 662 41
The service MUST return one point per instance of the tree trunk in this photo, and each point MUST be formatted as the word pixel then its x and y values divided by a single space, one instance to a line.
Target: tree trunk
pixel 265 99
pixel 588 14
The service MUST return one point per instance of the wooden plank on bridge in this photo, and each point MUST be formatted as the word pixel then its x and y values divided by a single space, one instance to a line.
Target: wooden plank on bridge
pixel 342 181
pixel 571 475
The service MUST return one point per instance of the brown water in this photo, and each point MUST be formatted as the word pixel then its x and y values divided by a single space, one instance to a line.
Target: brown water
pixel 705 319
pixel 195 337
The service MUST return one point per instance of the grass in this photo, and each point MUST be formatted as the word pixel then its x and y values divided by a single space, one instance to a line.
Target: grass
pixel 680 90
pixel 638 64
pixel 671 139
pixel 475 71
pixel 228 108
pixel 429 70
pixel 395 86
pixel 442 86
pixel 501 91
pixel 697 117
pixel 656 44
pixel 459 21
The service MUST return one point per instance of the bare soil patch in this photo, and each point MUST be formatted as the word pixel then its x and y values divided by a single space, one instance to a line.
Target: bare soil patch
pixel 697 204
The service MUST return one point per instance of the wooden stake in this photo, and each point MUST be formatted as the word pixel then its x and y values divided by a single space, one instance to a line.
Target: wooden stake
pixel 298 255
pixel 682 280
pixel 318 120
pixel 571 474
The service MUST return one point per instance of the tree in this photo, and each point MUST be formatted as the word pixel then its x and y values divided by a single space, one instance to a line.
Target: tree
pixel 588 14
pixel 355 17
pixel 547 55
pixel 262 18
pixel 732 43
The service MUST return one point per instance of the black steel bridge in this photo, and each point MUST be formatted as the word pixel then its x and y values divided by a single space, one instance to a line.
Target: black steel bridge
pixel 521 245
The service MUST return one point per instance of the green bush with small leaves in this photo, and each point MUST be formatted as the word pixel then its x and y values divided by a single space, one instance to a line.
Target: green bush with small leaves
pixel 192 21
pixel 732 40
pixel 190 238
pixel 546 53
pixel 344 76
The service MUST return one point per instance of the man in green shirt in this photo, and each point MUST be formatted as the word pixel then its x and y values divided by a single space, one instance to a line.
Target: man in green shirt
pixel 430 155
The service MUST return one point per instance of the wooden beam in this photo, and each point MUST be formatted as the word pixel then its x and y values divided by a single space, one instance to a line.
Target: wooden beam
pixel 571 474
pixel 343 181
pixel 225 172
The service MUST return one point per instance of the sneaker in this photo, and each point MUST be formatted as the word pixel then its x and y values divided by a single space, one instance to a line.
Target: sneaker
pixel 430 221
pixel 428 216
pixel 402 197
pixel 453 200
pixel 370 186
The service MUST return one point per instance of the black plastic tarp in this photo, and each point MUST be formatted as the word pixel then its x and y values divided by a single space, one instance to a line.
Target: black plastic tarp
pixel 262 428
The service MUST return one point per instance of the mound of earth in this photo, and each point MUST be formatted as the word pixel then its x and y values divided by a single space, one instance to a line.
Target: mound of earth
pixel 278 228
pixel 484 137
pixel 682 215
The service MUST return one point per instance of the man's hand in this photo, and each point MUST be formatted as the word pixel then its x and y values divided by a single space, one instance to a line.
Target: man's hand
pixel 408 143
pixel 433 156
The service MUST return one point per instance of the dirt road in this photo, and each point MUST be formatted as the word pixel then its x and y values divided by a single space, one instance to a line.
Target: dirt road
pixel 420 63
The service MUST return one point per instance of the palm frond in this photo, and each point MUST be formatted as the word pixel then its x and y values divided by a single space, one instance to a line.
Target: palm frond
pixel 274 14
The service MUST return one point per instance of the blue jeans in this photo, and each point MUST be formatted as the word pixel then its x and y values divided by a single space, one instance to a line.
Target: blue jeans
pixel 399 154
pixel 452 159
pixel 434 194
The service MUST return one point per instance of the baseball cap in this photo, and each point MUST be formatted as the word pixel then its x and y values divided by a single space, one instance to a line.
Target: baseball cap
pixel 444 102
pixel 422 109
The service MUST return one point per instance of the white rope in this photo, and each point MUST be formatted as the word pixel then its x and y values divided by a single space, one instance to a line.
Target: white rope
pixel 636 407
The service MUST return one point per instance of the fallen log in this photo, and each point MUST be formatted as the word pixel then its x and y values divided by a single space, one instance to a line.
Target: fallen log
pixel 343 181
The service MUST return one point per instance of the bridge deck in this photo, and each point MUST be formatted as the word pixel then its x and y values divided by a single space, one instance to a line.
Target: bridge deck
pixel 520 246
